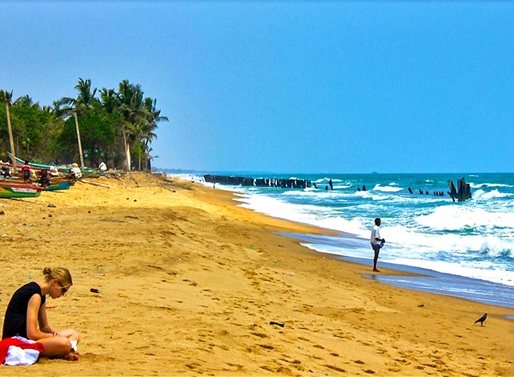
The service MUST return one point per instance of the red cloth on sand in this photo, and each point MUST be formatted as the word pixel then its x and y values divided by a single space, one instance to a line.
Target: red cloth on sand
pixel 7 342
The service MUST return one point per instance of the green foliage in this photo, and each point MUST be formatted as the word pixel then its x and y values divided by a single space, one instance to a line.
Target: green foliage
pixel 117 122
pixel 28 123
pixel 98 133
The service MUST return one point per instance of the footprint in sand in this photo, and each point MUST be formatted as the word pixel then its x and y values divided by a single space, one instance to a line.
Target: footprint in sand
pixel 259 335
pixel 337 369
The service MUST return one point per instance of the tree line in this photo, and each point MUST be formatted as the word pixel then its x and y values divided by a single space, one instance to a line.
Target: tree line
pixel 113 126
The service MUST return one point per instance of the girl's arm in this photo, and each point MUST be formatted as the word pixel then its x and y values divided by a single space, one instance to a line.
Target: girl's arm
pixel 43 320
pixel 36 314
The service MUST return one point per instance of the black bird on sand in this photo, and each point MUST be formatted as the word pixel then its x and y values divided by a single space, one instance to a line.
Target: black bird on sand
pixel 482 319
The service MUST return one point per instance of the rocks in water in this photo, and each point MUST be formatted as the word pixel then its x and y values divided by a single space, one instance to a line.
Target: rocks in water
pixel 258 182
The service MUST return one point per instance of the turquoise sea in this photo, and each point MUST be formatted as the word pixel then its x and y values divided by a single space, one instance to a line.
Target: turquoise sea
pixel 465 248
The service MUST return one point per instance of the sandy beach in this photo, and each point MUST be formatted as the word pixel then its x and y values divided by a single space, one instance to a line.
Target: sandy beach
pixel 189 284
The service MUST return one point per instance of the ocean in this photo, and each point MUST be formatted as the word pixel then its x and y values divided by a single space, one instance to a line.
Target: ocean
pixel 464 249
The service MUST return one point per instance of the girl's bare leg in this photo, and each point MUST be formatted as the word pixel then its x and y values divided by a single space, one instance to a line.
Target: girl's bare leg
pixel 61 346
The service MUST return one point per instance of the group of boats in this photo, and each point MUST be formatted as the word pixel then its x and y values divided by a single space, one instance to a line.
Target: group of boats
pixel 12 184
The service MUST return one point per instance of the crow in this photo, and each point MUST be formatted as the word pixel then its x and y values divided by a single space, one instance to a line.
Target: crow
pixel 482 319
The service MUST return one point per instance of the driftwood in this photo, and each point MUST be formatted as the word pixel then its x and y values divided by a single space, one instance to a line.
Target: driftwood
pixel 94 183
pixel 463 191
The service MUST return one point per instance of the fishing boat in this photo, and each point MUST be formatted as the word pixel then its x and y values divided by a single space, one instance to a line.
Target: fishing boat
pixel 19 190
pixel 62 185
pixel 56 183
pixel 89 173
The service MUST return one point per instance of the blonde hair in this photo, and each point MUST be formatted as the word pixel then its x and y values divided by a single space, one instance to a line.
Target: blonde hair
pixel 60 273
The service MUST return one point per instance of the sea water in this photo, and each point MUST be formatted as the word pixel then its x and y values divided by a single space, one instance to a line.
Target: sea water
pixel 423 227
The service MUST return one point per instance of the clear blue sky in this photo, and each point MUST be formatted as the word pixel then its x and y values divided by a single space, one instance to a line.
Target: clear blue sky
pixel 291 86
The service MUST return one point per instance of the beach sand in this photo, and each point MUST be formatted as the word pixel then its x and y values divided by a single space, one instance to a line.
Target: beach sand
pixel 189 284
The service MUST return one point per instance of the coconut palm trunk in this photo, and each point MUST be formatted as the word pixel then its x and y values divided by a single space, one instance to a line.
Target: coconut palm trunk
pixel 9 129
pixel 78 138
pixel 127 152
pixel 127 149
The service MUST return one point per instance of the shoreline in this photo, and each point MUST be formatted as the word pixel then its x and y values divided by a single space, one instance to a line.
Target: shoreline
pixel 429 232
pixel 191 284
pixel 427 280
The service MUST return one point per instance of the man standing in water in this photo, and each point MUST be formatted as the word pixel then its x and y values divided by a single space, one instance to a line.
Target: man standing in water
pixel 376 242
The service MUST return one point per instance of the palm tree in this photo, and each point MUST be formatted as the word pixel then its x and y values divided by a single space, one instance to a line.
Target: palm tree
pixel 146 149
pixel 133 132
pixel 6 97
pixel 86 97
pixel 143 131
pixel 25 101
pixel 47 109
pixel 76 106
pixel 140 118
pixel 141 134
pixel 109 100
pixel 133 111
pixel 153 117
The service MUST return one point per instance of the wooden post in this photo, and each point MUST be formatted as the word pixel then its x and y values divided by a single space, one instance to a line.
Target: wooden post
pixel 464 190
pixel 452 192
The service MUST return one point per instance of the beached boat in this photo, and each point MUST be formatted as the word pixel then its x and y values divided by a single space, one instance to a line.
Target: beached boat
pixel 19 190
pixel 63 185
pixel 89 173
pixel 55 183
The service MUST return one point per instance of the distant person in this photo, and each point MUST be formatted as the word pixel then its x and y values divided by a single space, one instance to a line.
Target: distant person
pixel 44 178
pixel 102 166
pixel 54 172
pixel 26 315
pixel 75 171
pixel 6 171
pixel 331 185
pixel 25 171
pixel 376 241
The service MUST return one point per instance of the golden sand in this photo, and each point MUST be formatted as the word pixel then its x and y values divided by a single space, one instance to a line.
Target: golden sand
pixel 189 283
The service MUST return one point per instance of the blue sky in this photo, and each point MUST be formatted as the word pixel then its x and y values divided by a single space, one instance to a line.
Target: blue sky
pixel 287 86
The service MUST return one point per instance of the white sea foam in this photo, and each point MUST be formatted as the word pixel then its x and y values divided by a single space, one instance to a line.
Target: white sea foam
pixel 308 214
pixel 480 185
pixel 326 180
pixel 475 271
pixel 386 188
pixel 460 217
pixel 482 195
pixel 407 245
pixel 478 270
pixel 473 239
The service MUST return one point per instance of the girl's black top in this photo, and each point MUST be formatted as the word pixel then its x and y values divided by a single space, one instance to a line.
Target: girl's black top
pixel 15 322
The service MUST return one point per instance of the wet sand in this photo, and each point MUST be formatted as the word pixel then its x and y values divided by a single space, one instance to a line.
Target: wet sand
pixel 417 278
pixel 189 284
